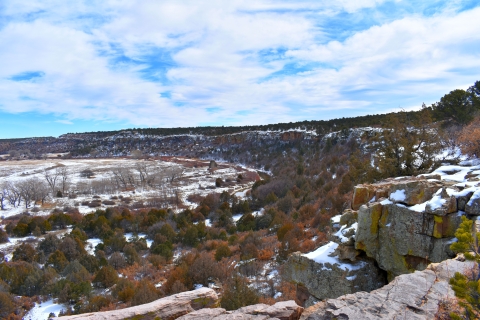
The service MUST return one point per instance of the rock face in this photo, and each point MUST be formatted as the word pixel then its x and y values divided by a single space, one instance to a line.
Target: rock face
pixel 410 229
pixel 286 310
pixel 331 280
pixel 402 240
pixel 409 296
pixel 167 308
pixel 334 269
pixel 473 205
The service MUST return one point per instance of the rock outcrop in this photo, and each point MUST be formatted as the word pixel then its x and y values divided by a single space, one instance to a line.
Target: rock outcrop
pixel 286 310
pixel 394 227
pixel 198 304
pixel 408 222
pixel 167 308
pixel 409 296
pixel 402 240
pixel 332 277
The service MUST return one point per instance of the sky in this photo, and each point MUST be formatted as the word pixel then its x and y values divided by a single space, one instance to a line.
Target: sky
pixel 77 66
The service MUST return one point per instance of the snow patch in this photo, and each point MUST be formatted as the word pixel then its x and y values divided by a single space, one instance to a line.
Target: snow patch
pixel 323 256
pixel 41 311
pixel 344 230
pixel 476 195
pixel 91 244
pixel 336 219
pixel 398 196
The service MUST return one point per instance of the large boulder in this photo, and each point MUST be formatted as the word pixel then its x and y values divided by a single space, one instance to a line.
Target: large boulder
pixel 415 190
pixel 473 205
pixel 324 275
pixel 403 240
pixel 362 194
pixel 409 296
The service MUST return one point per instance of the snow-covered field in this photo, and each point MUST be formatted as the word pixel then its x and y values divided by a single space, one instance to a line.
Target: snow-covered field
pixel 180 175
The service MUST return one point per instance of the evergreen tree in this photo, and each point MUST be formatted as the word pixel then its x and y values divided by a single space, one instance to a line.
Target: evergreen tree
pixel 467 287
pixel 238 294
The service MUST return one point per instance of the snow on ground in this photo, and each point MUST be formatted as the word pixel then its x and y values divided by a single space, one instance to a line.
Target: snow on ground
pixel 8 247
pixel 466 174
pixel 242 194
pixel 194 180
pixel 385 202
pixel 91 244
pixel 41 311
pixel 344 230
pixel 130 236
pixel 336 219
pixel 456 172
pixel 323 256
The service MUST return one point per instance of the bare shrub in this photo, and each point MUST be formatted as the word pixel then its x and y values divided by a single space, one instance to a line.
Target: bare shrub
pixel 469 138
pixel 94 204
pixel 194 198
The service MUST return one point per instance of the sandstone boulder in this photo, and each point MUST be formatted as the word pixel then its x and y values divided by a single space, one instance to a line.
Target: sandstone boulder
pixel 362 194
pixel 332 277
pixel 285 310
pixel 449 205
pixel 409 296
pixel 416 190
pixel 348 217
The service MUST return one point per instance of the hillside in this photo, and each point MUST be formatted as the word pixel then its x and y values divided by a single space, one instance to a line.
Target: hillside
pixel 111 220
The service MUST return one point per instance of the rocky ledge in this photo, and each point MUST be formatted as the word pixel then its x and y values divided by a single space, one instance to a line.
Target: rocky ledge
pixel 198 304
pixel 409 296
pixel 167 308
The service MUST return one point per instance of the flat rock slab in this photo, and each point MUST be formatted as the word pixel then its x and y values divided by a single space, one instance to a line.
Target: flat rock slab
pixel 167 308
pixel 285 310
pixel 409 296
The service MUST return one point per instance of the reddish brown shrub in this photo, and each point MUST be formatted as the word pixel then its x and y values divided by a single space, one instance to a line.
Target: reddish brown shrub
pixel 469 138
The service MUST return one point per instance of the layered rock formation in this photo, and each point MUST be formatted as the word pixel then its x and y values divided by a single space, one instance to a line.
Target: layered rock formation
pixel 329 277
pixel 408 222
pixel 409 296
pixel 394 227
pixel 286 310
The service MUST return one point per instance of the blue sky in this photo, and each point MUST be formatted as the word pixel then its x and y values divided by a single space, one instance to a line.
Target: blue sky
pixel 104 65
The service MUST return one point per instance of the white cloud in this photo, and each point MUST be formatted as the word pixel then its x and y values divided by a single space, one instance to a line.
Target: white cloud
pixel 64 122
pixel 223 55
